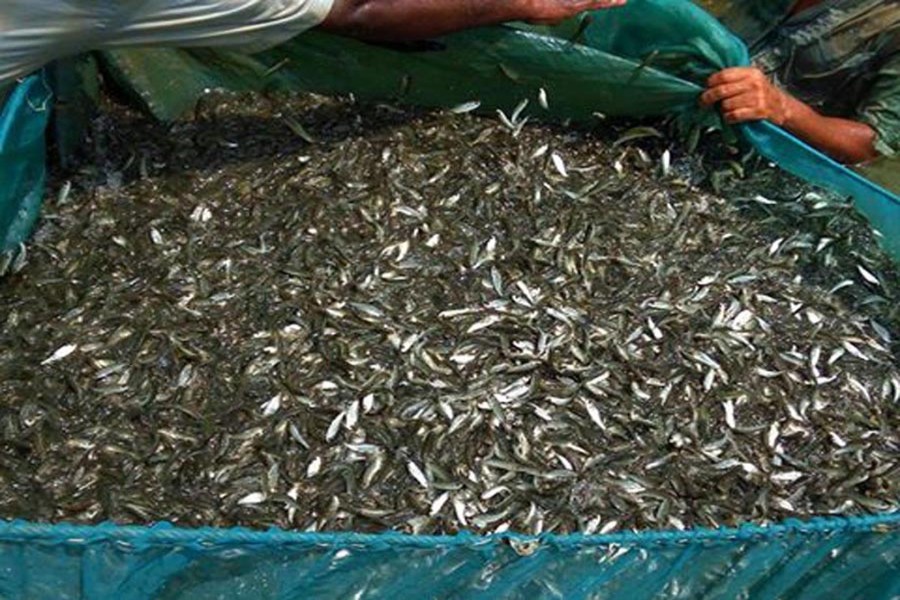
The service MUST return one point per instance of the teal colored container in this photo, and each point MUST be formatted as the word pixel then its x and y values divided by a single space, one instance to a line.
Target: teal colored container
pixel 23 122
pixel 840 559
pixel 878 204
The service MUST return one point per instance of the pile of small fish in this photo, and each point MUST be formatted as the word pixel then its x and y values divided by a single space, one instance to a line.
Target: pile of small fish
pixel 323 316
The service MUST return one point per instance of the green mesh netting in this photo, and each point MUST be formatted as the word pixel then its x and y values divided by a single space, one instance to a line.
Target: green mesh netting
pixel 841 559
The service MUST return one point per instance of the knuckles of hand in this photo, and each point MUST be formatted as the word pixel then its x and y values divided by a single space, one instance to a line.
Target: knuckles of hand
pixel 744 94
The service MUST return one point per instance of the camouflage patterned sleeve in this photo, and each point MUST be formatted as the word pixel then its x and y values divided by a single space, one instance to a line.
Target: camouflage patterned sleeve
pixel 881 108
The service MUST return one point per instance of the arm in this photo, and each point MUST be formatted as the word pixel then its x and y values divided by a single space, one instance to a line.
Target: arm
pixel 746 94
pixel 407 20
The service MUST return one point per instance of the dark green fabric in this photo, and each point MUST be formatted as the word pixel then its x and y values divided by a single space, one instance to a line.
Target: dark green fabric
pixel 753 20
pixel 841 57
pixel 4 94
pixel 884 171
pixel 76 87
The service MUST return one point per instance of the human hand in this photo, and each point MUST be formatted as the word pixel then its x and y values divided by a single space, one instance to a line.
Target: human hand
pixel 746 94
pixel 548 12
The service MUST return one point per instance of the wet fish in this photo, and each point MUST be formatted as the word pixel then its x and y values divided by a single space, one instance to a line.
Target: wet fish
pixel 424 323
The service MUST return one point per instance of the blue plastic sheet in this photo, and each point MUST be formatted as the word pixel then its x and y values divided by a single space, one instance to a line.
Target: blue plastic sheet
pixel 817 560
pixel 23 121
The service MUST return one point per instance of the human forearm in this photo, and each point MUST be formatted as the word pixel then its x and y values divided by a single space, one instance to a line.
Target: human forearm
pixel 401 20
pixel 405 20
pixel 847 141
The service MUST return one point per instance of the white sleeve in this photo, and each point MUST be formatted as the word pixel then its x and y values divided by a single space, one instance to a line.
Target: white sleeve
pixel 250 25
pixel 35 32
